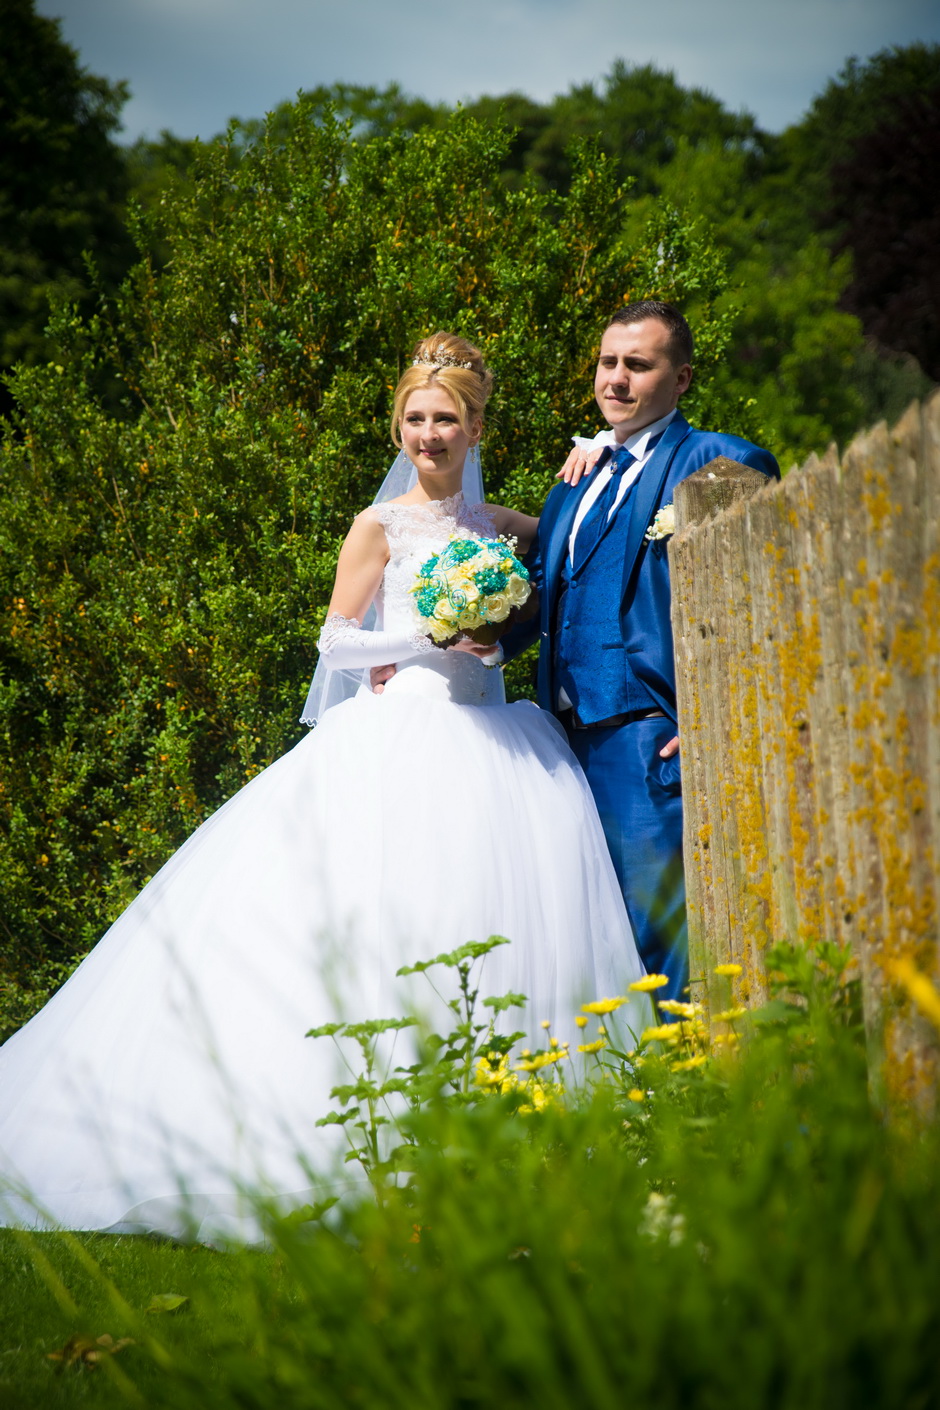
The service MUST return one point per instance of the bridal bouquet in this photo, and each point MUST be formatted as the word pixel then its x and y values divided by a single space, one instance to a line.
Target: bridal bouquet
pixel 470 588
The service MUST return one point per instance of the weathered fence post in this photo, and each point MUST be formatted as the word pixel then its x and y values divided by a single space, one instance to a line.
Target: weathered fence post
pixel 807 632
pixel 702 594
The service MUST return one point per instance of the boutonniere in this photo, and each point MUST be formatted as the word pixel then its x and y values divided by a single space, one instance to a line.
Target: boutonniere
pixel 663 525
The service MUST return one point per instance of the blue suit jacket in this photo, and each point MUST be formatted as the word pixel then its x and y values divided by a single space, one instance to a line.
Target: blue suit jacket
pixel 644 582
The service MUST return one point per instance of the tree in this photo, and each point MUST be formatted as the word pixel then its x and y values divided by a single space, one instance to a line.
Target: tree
pixel 885 201
pixel 62 180
pixel 854 104
pixel 639 117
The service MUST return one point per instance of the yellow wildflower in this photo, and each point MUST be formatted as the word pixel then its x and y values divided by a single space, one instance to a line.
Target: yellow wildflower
pixel 729 1015
pixel 495 1075
pixel 651 982
pixel 660 1034
pixel 546 1023
pixel 539 1097
pixel 581 1021
pixel 603 1005
pixel 681 1010
pixel 541 1060
pixel 635 1095
pixel 688 1063
pixel 919 987
pixel 729 971
pixel 592 1047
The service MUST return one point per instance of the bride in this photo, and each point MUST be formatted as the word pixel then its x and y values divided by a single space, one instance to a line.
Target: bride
pixel 171 1074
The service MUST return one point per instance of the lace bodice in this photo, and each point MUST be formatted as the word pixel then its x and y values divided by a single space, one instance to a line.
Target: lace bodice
pixel 414 532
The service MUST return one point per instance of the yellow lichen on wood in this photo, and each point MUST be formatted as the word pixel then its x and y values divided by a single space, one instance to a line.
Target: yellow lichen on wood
pixel 815 707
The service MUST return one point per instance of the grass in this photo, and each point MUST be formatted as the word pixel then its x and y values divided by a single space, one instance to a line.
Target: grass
pixel 753 1233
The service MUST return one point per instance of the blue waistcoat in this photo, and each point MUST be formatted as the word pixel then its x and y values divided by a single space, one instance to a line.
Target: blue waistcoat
pixel 591 661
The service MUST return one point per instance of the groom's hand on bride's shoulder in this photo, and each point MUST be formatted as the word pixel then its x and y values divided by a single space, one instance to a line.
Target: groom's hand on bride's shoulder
pixel 378 676
pixel 580 462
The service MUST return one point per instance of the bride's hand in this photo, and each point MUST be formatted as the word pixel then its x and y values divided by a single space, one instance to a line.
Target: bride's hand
pixel 378 676
pixel 580 462
pixel 466 643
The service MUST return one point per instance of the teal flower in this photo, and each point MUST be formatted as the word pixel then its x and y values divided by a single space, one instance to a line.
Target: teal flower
pixel 426 600
pixel 490 580
pixel 459 550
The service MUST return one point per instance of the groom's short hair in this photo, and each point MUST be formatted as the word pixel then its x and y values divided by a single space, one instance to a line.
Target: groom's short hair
pixel 681 346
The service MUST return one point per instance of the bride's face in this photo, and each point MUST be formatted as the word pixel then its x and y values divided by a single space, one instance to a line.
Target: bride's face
pixel 432 434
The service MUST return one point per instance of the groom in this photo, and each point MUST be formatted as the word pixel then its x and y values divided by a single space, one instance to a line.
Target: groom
pixel 606 656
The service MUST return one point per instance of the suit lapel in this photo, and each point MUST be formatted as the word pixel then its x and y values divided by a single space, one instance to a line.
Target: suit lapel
pixel 648 491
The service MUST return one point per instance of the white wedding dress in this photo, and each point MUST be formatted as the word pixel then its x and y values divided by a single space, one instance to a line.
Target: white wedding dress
pixel 171 1073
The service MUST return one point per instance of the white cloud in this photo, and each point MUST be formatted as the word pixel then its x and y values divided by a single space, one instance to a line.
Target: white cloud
pixel 194 63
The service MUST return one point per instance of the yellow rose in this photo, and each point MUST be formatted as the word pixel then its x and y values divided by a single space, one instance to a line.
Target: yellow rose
pixel 461 581
pixel 497 607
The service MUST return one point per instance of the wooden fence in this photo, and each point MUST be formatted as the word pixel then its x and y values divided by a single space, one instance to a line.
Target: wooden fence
pixel 807 630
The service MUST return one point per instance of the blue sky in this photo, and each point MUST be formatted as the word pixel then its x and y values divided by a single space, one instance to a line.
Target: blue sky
pixel 192 64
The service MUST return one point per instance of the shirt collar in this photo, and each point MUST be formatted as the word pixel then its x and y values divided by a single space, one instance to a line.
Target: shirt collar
pixel 638 443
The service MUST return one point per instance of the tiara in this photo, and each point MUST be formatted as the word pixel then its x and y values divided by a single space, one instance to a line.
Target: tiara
pixel 440 359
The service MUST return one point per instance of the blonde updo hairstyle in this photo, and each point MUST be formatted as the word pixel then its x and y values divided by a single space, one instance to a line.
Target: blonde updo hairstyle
pixel 454 365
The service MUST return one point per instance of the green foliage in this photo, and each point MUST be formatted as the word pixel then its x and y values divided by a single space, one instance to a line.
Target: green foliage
pixel 62 181
pixel 817 343
pixel 444 1066
pixel 775 1244
pixel 165 562
pixel 885 199
pixel 862 99
pixel 639 115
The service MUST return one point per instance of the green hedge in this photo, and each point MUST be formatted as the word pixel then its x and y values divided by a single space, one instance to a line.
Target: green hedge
pixel 175 492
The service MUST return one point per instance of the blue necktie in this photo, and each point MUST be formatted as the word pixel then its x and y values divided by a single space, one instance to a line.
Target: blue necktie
pixel 594 525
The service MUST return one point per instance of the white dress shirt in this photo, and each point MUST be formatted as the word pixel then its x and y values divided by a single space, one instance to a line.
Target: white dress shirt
pixel 638 445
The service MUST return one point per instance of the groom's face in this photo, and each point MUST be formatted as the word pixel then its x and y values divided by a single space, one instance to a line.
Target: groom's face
pixel 636 380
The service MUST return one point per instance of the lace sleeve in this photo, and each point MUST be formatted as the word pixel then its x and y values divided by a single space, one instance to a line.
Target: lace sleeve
pixel 345 646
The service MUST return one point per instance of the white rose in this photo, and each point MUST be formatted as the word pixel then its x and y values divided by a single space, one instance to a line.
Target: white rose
pixel 497 607
pixel 518 590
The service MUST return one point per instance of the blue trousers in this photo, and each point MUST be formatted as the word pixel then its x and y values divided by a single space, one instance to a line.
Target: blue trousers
pixel 639 799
